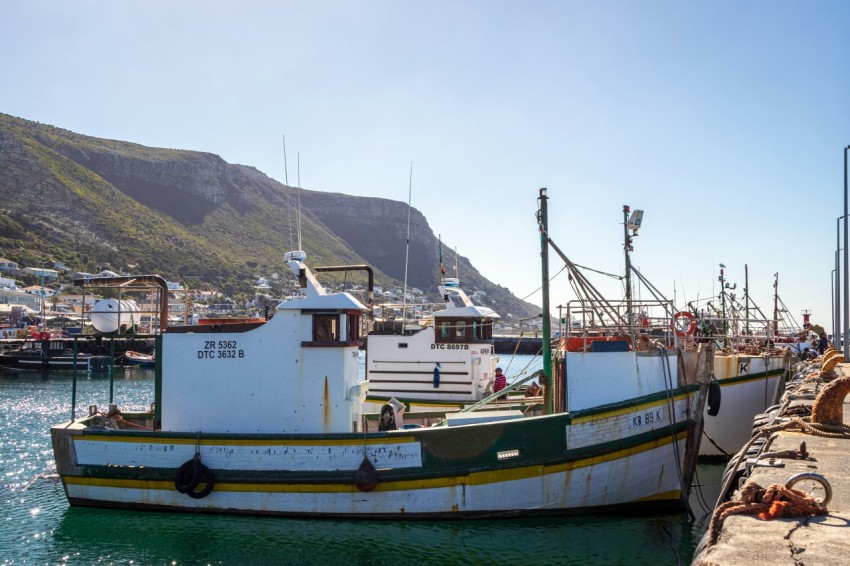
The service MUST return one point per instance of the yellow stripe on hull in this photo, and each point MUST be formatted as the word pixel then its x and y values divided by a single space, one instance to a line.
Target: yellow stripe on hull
pixel 472 479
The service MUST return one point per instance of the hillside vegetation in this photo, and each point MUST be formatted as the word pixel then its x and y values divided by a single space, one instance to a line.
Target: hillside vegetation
pixel 93 203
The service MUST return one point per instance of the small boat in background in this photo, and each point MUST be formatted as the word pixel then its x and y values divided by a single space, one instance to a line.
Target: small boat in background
pixel 51 354
pixel 139 359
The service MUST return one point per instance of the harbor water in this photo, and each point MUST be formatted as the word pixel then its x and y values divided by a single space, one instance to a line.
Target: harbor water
pixel 39 527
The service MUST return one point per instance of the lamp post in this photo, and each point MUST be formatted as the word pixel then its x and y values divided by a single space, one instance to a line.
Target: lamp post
pixel 836 301
pixel 844 328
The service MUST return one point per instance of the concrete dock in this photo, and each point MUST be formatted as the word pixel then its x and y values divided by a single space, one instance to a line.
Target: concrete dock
pixel 741 537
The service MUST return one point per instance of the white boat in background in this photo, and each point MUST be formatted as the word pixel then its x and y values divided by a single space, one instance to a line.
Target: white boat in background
pixel 443 361
pixel 751 367
pixel 268 419
pixel 749 383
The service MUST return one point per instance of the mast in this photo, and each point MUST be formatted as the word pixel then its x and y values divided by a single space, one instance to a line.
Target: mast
pixel 300 247
pixel 723 306
pixel 543 225
pixel 288 200
pixel 776 304
pixel 746 299
pixel 406 251
pixel 627 247
pixel 440 252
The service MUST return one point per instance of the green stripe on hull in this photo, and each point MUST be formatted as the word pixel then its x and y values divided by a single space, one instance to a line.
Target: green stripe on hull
pixel 750 377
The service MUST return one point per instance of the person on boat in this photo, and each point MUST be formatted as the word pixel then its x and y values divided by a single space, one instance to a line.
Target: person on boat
pixel 500 382
pixel 823 343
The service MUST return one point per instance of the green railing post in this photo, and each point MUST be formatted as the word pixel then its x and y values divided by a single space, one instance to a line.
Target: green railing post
pixel 74 384
pixel 157 388
pixel 111 367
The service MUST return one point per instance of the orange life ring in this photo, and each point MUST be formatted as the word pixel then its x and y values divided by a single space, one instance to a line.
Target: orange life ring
pixel 692 324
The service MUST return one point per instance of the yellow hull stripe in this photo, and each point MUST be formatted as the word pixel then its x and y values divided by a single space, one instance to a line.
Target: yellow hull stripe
pixel 629 409
pixel 475 478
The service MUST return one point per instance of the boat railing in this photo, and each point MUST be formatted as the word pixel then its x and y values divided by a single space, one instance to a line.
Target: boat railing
pixel 637 322
pixel 739 333
pixel 157 318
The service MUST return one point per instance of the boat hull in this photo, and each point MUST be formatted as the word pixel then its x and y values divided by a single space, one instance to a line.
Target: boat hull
pixel 84 363
pixel 748 385
pixel 548 464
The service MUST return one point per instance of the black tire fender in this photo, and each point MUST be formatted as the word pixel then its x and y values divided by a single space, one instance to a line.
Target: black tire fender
pixel 187 476
pixel 205 476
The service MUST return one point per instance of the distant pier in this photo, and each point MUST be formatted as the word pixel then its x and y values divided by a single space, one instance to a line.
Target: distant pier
pixel 529 345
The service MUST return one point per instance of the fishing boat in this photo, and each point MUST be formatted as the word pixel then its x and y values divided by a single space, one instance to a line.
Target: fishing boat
pixel 51 354
pixel 138 359
pixel 444 361
pixel 751 364
pixel 269 420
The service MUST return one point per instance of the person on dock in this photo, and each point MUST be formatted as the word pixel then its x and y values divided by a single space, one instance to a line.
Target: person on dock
pixel 500 382
pixel 809 329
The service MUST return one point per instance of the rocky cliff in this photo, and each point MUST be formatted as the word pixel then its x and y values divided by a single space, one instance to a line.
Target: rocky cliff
pixel 186 214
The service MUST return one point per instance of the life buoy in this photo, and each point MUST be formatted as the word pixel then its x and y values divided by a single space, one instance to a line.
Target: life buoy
pixel 692 323
pixel 44 336
pixel 35 335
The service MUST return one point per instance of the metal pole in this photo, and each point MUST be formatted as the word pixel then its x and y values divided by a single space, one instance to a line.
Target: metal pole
pixel 74 383
pixel 111 368
pixel 844 332
pixel 836 317
pixel 746 299
pixel 543 220
pixel 627 246
pixel 832 295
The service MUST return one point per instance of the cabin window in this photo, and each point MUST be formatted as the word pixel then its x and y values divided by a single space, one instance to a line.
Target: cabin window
pixel 353 328
pixel 487 331
pixel 465 330
pixel 445 329
pixel 325 328
pixel 460 329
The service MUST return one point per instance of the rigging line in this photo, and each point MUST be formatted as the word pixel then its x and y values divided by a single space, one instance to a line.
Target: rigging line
pixel 538 289
pixel 611 275
pixel 407 248
pixel 656 294
pixel 598 303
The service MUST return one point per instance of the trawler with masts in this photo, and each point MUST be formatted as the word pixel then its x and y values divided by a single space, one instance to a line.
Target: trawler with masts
pixel 267 419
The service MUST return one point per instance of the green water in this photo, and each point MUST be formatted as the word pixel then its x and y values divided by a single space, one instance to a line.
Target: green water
pixel 40 528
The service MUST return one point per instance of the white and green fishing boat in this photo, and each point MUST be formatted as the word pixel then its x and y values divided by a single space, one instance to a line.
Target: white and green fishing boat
pixel 268 419
pixel 751 364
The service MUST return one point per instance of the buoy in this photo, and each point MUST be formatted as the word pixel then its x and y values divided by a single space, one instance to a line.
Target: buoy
pixel 366 477
pixel 692 323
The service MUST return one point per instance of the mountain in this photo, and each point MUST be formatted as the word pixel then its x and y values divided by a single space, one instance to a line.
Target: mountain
pixel 189 215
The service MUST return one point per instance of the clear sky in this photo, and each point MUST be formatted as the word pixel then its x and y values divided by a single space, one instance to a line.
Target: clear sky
pixel 725 121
